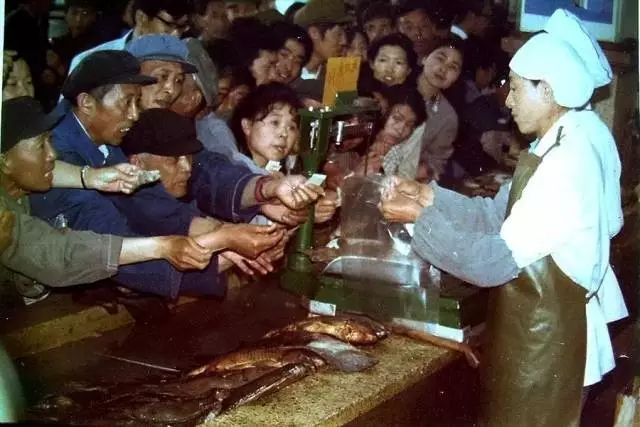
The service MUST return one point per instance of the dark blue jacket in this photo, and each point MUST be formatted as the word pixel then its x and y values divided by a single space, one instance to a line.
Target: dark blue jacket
pixel 150 211
pixel 216 185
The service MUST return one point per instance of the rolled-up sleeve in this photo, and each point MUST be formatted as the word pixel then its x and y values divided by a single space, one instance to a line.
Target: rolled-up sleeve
pixel 58 258
pixel 461 235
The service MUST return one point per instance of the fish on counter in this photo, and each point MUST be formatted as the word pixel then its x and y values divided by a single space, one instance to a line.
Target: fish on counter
pixel 348 328
pixel 260 357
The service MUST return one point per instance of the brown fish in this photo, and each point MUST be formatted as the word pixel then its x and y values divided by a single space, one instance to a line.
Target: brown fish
pixel 350 329
pixel 256 358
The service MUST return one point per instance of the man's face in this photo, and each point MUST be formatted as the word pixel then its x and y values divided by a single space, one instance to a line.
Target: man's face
pixel 30 163
pixel 115 114
pixel 481 22
pixel 290 62
pixel 528 103
pixel 331 44
pixel 214 24
pixel 241 9
pixel 170 78
pixel 80 19
pixel 163 23
pixel 417 26
pixel 190 101
pixel 175 171
pixel 263 67
pixel 378 27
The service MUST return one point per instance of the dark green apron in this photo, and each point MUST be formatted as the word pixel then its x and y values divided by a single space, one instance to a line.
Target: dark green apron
pixel 536 339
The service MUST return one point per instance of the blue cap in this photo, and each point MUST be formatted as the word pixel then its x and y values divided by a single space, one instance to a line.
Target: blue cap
pixel 161 47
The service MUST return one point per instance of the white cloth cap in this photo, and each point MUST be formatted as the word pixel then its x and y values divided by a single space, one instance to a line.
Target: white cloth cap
pixel 568 27
pixel 549 58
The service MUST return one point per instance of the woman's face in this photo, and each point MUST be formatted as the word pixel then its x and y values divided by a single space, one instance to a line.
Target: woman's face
pixel 262 68
pixel 390 65
pixel 30 163
pixel 19 81
pixel 442 67
pixel 274 136
pixel 358 47
pixel 401 122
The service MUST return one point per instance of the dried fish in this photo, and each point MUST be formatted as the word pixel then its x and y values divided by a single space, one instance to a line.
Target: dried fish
pixel 350 329
pixel 268 384
pixel 255 358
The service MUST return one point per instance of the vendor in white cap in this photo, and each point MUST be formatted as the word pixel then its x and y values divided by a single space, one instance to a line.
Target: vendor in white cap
pixel 542 244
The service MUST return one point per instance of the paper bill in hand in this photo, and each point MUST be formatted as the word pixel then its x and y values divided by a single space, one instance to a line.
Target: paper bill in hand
pixel 146 177
pixel 317 179
pixel 273 166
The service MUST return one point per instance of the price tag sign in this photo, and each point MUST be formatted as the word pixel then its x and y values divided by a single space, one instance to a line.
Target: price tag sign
pixel 341 76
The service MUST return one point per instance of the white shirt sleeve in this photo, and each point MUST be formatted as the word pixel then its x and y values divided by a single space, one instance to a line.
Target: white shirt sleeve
pixel 555 205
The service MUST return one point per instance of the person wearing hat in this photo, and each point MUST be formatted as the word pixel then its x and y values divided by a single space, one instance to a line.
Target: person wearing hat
pixel 164 58
pixel 323 20
pixel 39 252
pixel 542 244
pixel 104 92
pixel 149 17
pixel 165 141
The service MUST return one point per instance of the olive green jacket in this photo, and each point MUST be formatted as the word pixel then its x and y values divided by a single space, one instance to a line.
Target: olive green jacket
pixel 54 257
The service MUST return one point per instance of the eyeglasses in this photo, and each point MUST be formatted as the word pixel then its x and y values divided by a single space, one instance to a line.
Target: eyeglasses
pixel 173 25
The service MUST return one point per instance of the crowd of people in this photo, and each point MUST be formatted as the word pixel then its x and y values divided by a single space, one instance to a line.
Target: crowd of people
pixel 159 148
pixel 207 93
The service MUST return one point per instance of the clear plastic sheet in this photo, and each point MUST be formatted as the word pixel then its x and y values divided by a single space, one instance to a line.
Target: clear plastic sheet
pixel 376 261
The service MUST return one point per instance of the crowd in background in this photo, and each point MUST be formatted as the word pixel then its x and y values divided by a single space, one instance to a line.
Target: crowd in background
pixel 207 92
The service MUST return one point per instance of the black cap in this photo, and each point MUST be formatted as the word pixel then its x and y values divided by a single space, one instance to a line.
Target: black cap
pixel 103 68
pixel 161 132
pixel 23 118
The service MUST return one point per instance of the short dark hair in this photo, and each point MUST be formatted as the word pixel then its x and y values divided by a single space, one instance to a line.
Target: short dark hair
pixel 258 104
pixel 200 6
pixel 441 13
pixel 453 43
pixel 175 8
pixel 283 31
pixel 408 6
pixel 376 10
pixel 88 4
pixel 250 36
pixel 469 6
pixel 411 97
pixel 395 39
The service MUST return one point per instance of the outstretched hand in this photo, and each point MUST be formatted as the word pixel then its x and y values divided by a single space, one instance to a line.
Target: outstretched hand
pixel 185 254
pixel 121 178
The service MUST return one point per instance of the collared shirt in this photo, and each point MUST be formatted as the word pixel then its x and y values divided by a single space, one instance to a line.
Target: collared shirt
pixel 116 44
pixel 570 209
pixel 150 211
pixel 459 32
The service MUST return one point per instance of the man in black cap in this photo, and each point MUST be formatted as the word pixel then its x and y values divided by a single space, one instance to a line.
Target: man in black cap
pixel 42 253
pixel 104 91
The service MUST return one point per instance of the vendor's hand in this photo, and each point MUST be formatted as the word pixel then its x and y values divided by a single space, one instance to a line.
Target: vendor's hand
pixel 422 193
pixel 251 240
pixel 184 253
pixel 121 178
pixel 293 191
pixel 326 207
pixel 280 213
pixel 7 220
pixel 398 207
pixel 246 265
